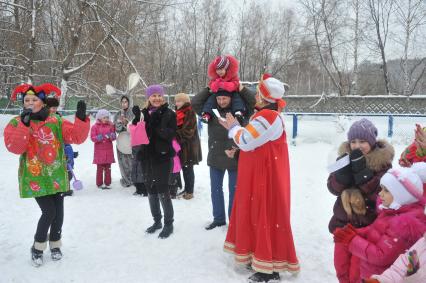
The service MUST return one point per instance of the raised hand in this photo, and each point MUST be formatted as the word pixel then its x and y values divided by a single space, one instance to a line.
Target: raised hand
pixel 81 110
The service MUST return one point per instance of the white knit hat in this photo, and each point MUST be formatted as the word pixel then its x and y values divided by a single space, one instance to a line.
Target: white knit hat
pixel 405 186
pixel 272 90
pixel 102 113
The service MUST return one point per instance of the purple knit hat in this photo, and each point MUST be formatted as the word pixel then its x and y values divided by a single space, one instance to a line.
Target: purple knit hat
pixel 158 89
pixel 102 113
pixel 364 130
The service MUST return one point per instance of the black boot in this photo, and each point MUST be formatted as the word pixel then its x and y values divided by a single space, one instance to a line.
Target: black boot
pixel 154 205
pixel 36 257
pixel 215 224
pixel 166 232
pixel 264 277
pixel 154 227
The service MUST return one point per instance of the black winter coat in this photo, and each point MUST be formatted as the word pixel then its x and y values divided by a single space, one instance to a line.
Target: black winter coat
pixel 218 136
pixel 157 156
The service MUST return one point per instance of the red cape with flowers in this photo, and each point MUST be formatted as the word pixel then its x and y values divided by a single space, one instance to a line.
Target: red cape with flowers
pixel 259 231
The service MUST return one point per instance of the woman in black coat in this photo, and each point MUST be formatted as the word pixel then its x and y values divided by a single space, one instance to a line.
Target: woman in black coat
pixel 157 157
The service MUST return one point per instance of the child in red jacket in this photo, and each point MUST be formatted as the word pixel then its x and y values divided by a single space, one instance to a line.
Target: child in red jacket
pixel 223 75
pixel 401 222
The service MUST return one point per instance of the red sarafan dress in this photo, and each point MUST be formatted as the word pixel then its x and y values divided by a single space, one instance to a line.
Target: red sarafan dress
pixel 259 232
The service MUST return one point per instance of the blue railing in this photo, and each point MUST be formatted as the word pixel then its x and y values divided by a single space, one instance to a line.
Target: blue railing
pixel 390 117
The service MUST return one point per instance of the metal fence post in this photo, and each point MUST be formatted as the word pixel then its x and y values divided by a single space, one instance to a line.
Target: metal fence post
pixel 294 126
pixel 390 126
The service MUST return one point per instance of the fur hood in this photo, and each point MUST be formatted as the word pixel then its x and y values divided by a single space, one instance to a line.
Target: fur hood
pixel 231 72
pixel 377 159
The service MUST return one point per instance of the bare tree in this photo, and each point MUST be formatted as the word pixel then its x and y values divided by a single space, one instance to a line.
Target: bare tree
pixel 380 13
pixel 411 16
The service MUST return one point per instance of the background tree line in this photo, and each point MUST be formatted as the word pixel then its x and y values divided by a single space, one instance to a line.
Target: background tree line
pixel 364 47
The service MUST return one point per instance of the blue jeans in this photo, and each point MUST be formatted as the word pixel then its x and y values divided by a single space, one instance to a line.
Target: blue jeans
pixel 216 185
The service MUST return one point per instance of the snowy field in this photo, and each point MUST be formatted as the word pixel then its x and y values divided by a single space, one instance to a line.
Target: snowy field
pixel 103 232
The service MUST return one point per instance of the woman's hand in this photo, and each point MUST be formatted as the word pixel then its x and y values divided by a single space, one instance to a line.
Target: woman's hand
pixel 229 122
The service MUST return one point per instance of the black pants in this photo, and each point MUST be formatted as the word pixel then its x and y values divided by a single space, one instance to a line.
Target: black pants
pixel 189 178
pixel 154 204
pixel 52 216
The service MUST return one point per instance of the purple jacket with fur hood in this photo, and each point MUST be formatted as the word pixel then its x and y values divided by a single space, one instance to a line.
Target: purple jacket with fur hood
pixel 392 233
pixel 379 160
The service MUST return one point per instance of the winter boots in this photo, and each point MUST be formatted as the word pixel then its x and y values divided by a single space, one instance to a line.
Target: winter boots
pixel 154 227
pixel 36 256
pixel 37 252
pixel 166 232
pixel 264 277
pixel 55 251
pixel 215 224
pixel 163 200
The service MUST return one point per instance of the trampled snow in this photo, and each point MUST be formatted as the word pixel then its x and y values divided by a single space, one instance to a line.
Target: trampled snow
pixel 103 232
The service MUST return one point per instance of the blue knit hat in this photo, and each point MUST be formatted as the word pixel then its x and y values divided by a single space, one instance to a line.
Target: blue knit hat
pixel 363 129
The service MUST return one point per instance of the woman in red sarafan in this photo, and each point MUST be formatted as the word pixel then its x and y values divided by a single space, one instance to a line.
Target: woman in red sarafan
pixel 259 232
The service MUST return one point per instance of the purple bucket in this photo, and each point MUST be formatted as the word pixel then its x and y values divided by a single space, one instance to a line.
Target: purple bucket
pixel 77 185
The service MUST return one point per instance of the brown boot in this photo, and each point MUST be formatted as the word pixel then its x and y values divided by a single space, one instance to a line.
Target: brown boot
pixel 188 196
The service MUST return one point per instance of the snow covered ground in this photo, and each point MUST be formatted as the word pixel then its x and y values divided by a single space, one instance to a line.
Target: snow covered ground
pixel 103 232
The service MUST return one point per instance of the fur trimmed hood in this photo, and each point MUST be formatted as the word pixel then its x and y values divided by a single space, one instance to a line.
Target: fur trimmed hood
pixel 231 72
pixel 378 158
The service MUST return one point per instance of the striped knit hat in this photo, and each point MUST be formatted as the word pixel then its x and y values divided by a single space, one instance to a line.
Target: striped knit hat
pixel 272 90
pixel 222 62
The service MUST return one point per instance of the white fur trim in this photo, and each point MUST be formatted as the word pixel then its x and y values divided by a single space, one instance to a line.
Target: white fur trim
pixel 55 244
pixel 40 246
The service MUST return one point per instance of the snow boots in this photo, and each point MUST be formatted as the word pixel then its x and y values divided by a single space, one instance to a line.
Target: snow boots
pixel 37 253
pixel 264 277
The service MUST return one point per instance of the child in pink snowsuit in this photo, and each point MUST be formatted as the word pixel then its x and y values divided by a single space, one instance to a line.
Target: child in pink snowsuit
pixel 102 134
pixel 401 222
pixel 403 270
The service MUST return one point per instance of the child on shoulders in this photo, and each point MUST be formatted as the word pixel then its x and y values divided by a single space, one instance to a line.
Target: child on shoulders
pixel 223 75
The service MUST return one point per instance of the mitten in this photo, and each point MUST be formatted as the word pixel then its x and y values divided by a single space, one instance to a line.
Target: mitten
pixel 112 136
pixel 344 235
pixel 370 280
pixel 413 263
pixel 25 116
pixel 214 86
pixel 344 175
pixel 76 154
pixel 137 112
pixel 81 110
pixel 361 173
pixel 99 137
pixel 205 117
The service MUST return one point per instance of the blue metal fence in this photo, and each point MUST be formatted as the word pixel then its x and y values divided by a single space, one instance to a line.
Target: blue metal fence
pixel 390 117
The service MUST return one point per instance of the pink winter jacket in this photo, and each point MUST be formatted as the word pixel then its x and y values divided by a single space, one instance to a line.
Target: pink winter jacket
pixel 392 233
pixel 103 135
pixel 397 273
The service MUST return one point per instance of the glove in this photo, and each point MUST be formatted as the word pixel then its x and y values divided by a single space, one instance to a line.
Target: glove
pixel 25 116
pixel 111 136
pixel 205 117
pixel 81 110
pixel 99 137
pixel 76 154
pixel 137 112
pixel 361 173
pixel 358 162
pixel 344 175
pixel 344 235
pixel 370 280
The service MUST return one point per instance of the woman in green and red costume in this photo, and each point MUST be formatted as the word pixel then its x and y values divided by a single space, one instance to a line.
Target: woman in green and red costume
pixel 38 137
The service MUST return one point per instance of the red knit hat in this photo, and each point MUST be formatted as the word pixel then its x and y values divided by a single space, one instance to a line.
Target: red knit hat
pixel 221 62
